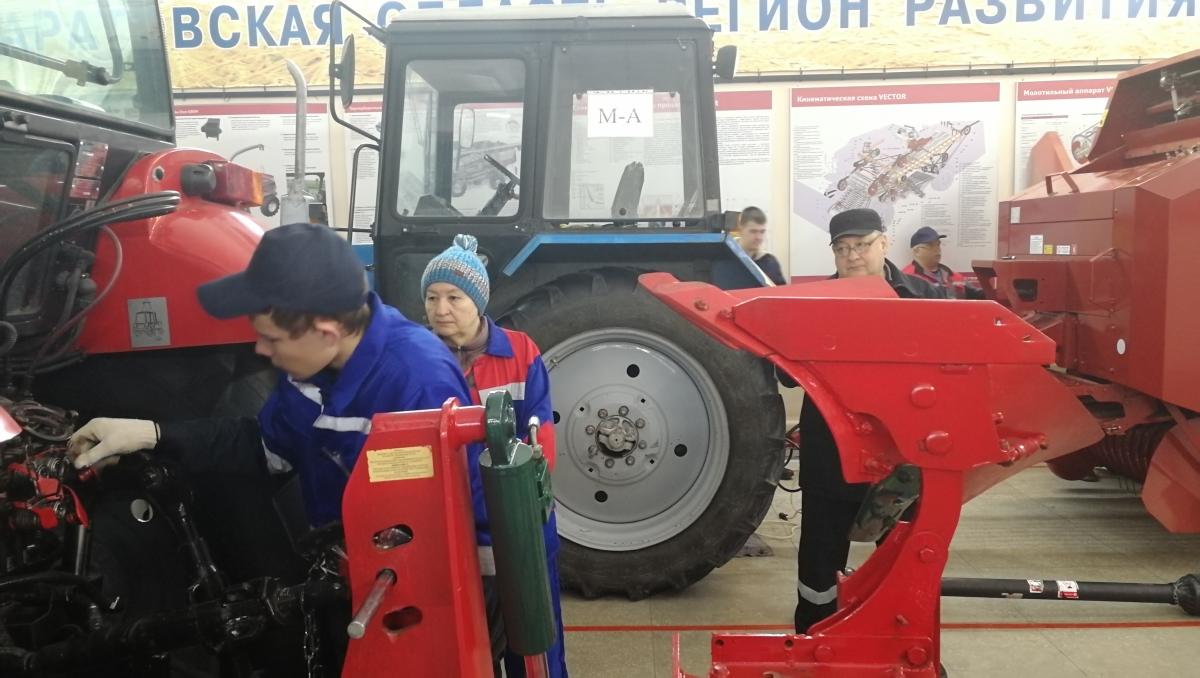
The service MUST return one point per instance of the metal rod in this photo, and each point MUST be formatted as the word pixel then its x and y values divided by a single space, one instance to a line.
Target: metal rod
pixel 358 626
pixel 1050 589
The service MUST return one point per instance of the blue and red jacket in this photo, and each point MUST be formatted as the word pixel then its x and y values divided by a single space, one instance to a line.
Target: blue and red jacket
pixel 319 426
pixel 512 362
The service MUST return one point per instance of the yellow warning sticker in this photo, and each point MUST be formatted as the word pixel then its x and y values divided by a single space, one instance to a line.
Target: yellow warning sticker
pixel 401 463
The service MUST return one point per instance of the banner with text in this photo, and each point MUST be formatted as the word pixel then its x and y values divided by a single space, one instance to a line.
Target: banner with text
pixel 1073 109
pixel 920 155
pixel 217 44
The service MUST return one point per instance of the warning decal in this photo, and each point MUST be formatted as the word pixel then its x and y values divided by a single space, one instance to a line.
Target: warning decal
pixel 402 463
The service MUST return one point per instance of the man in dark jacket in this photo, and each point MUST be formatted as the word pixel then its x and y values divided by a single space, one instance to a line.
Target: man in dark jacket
pixel 752 236
pixel 927 265
pixel 828 503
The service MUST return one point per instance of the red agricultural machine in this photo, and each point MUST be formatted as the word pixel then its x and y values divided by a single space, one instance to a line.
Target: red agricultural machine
pixel 1101 260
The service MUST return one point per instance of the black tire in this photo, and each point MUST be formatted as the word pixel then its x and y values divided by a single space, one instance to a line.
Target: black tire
pixel 609 299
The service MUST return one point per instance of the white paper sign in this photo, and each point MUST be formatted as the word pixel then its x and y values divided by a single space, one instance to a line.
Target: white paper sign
pixel 620 113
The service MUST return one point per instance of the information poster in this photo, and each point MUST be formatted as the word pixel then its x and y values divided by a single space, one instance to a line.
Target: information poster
pixel 920 155
pixel 744 149
pixel 261 136
pixel 1072 109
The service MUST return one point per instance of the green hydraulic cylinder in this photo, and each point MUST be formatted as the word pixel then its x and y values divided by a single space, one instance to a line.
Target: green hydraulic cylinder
pixel 516 489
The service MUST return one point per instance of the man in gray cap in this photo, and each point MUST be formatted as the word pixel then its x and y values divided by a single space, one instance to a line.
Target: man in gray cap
pixel 828 503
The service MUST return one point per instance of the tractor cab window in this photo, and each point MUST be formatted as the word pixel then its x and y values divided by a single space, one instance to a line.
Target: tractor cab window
pixel 460 139
pixel 95 58
pixel 624 136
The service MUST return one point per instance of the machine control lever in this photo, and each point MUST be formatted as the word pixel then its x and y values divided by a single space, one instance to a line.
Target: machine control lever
pixel 358 626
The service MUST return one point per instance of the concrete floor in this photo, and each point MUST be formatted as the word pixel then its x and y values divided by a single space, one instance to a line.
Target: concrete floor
pixel 1033 526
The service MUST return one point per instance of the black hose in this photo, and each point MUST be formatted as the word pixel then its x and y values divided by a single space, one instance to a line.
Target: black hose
pixel 10 336
pixel 131 209
pixel 54 577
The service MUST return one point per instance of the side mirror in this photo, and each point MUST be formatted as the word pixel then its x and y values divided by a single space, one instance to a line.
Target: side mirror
pixel 732 217
pixel 725 65
pixel 466 127
pixel 344 73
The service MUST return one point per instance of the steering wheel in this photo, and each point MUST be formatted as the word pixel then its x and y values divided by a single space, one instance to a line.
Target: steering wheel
pixel 503 170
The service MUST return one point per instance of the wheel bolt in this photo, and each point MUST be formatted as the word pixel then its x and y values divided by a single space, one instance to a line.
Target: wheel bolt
pixel 590 430
pixel 640 423
pixel 603 414
pixel 641 444
pixel 629 461
pixel 608 463
pixel 592 450
pixel 623 411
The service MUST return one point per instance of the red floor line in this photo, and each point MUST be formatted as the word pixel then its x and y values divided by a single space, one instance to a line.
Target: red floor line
pixel 954 626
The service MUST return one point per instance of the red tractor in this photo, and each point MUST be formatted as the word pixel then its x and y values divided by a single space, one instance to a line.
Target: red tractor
pixel 1100 259
pixel 106 229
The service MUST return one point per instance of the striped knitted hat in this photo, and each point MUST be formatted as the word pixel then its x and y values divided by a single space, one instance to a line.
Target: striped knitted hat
pixel 460 266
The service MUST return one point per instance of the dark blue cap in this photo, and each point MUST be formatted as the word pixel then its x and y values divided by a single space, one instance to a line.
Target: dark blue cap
pixel 859 221
pixel 303 268
pixel 924 235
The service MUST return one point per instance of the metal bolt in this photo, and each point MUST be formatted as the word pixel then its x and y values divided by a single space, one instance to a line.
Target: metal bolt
pixel 641 444
pixel 640 423
pixel 623 410
pixel 927 555
pixel 924 396
pixel 603 414
pixel 608 463
pixel 701 305
pixel 590 430
pixel 629 461
pixel 938 442
pixel 823 653
pixel 917 656
pixel 592 450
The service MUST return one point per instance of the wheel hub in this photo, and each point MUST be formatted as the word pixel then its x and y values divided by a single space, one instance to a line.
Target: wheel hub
pixel 617 436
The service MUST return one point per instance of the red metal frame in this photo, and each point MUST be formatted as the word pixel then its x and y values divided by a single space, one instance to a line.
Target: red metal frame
pixel 970 408
pixel 169 257
pixel 413 472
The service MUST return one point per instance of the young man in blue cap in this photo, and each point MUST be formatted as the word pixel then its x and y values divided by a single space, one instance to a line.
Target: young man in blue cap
pixel 343 356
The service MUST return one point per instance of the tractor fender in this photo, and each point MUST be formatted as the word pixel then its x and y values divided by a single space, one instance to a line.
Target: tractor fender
pixel 163 260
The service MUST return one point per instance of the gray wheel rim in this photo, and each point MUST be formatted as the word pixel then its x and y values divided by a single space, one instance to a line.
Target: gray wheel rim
pixel 665 471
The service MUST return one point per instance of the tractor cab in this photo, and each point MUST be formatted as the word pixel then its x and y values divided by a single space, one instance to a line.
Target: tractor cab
pixel 516 125
pixel 578 144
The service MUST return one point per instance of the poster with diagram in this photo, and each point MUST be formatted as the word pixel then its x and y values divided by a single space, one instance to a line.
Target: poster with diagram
pixel 744 149
pixel 1072 109
pixel 261 136
pixel 920 155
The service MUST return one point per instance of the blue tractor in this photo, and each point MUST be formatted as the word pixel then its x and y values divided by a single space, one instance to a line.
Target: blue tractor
pixel 669 443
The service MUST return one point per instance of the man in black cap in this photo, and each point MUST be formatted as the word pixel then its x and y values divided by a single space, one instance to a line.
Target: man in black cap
pixel 343 357
pixel 926 245
pixel 828 503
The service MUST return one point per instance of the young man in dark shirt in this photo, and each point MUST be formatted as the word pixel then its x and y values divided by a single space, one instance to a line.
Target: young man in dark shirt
pixel 752 235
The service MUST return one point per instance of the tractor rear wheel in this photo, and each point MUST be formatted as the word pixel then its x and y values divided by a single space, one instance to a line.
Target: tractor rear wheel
pixel 669 444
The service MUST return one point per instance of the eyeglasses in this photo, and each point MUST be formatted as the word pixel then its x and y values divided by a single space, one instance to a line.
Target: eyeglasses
pixel 860 248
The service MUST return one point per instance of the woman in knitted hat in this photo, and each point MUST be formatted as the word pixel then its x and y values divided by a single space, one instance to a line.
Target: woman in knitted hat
pixel 456 288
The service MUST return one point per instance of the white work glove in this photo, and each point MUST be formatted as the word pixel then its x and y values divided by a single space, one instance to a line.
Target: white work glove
pixel 102 438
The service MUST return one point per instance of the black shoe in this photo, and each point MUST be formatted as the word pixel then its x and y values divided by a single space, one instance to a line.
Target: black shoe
pixel 787 474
